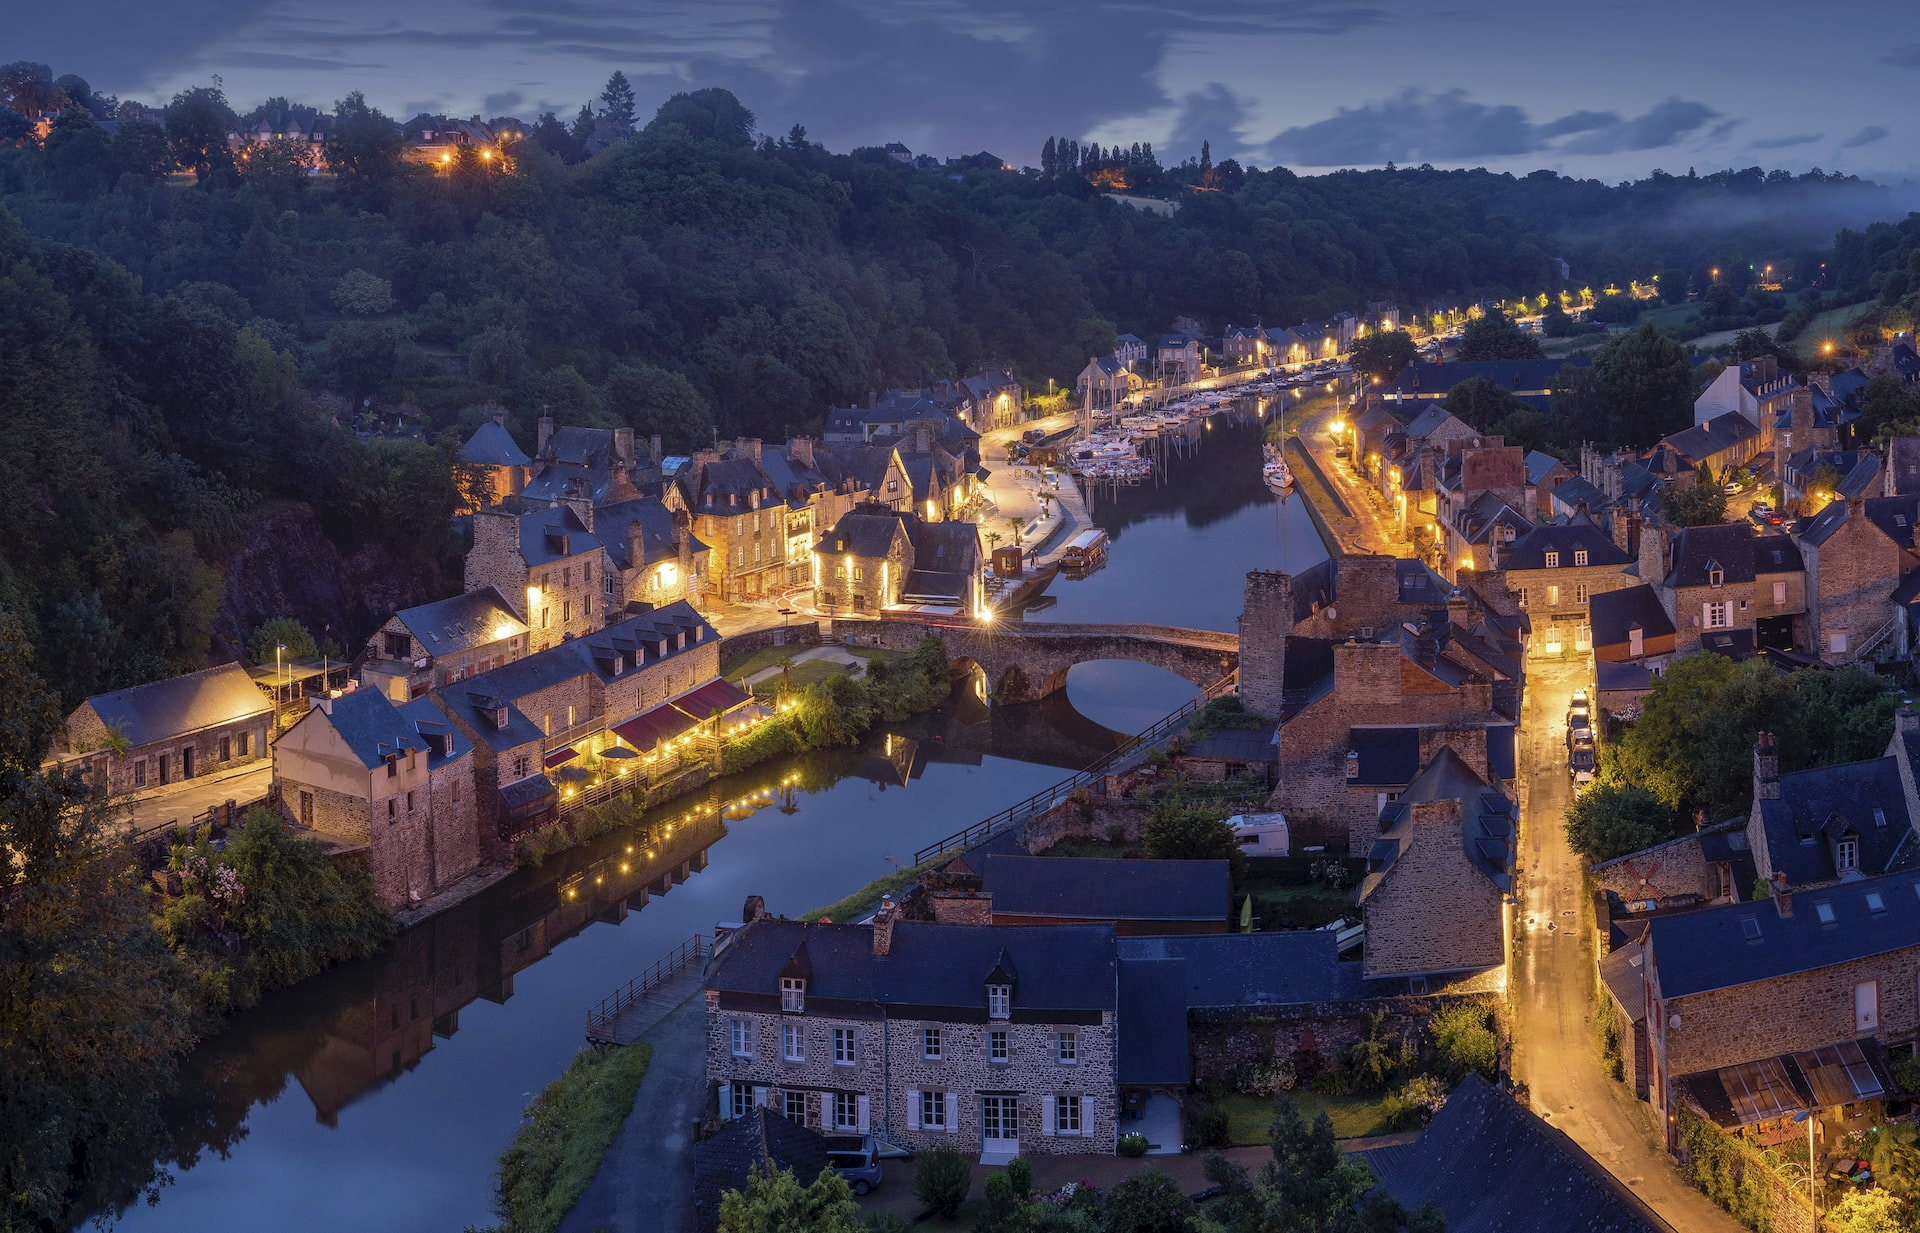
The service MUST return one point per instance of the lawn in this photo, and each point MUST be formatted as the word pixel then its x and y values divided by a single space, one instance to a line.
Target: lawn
pixel 812 672
pixel 1831 325
pixel 567 1129
pixel 1094 849
pixel 1353 1117
pixel 1278 906
pixel 867 898
pixel 765 657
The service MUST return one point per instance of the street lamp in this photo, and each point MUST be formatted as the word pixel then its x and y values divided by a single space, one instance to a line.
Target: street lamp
pixel 1810 1116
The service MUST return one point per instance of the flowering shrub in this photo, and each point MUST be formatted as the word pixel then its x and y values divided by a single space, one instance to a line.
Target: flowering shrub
pixel 1266 1078
pixel 1425 1093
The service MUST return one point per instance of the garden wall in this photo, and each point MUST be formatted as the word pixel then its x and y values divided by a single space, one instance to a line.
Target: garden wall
pixel 1094 818
pixel 800 633
pixel 1224 1040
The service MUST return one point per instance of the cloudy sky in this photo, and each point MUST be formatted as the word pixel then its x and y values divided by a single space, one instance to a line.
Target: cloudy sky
pixel 1607 89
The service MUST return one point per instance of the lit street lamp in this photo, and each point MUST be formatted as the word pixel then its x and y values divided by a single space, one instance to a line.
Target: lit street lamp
pixel 1810 1116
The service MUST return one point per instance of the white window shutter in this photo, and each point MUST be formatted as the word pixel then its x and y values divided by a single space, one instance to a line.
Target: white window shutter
pixel 1706 620
pixel 1086 1114
pixel 759 1097
pixel 726 1102
pixel 913 1108
pixel 861 1125
pixel 1047 1115
pixel 953 1113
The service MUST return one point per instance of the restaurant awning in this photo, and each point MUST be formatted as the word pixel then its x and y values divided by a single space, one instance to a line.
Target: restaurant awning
pixel 566 753
pixel 721 695
pixel 650 728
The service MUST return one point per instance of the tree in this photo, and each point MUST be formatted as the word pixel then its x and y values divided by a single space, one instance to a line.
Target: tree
pixel 1463 1039
pixel 364 153
pixel 654 400
pixel 29 89
pixel 1383 354
pixel 363 294
pixel 777 1203
pixel 198 121
pixel 616 102
pixel 362 354
pixel 1612 819
pixel 1871 1211
pixel 280 639
pixel 941 1179
pixel 1672 282
pixel 1888 409
pixel 1494 337
pixel 281 169
pixel 1149 1201
pixel 1178 832
pixel 1644 377
pixel 1700 504
pixel 139 149
pixel 552 136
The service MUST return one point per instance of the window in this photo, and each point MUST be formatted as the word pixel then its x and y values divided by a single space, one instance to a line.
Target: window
pixel 1580 593
pixel 566 611
pixel 739 1100
pixel 393 767
pixel 139 772
pixel 794 1105
pixel 586 606
pixel 226 748
pixel 793 994
pixel 997 1045
pixel 586 572
pixel 1066 1115
pixel 390 809
pixel 1866 1006
pixel 793 1042
pixel 571 716
pixel 1825 912
pixel 1579 556
pixel 846 1111
pixel 999 1000
pixel 546 618
pixel 738 1039
pixel 1846 855
pixel 1067 1047
pixel 409 801
pixel 546 724
pixel 859 574
pixel 1716 577
pixel 520 767
pixel 1523 597
pixel 1716 616
pixel 1837 643
pixel 246 744
pixel 893 485
pixel 843 1046
pixel 606 584
pixel 160 764
pixel 1876 904
pixel 933 1110
pixel 930 1043
pixel 1553 595
pixel 1553 560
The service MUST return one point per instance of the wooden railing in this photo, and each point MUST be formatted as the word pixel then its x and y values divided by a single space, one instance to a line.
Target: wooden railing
pixel 1047 798
pixel 603 1019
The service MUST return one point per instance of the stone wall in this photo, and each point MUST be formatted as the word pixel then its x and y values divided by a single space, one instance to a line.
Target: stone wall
pixel 84 731
pixel 1677 867
pixel 1223 1040
pixel 337 815
pixel 800 633
pixel 1850 578
pixel 1433 911
pixel 1095 818
pixel 495 560
pixel 1266 619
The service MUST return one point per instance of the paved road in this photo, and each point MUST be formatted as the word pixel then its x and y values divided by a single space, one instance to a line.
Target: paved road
pixel 645 1182
pixel 184 801
pixel 1556 1051
pixel 1369 529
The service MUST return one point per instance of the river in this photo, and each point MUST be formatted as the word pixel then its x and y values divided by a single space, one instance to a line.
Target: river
pixel 378 1095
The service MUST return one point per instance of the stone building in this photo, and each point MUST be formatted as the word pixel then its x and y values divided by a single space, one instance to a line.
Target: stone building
pixel 602 465
pixel 1835 823
pixel 439 643
pixel 876 557
pixel 497 462
pixel 164 732
pixel 511 789
pixel 395 780
pixel 547 564
pixel 1555 570
pixel 653 556
pixel 999 1041
pixel 1438 877
pixel 759 509
pixel 1853 565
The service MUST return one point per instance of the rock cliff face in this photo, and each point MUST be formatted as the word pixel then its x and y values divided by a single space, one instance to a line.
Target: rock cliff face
pixel 288 567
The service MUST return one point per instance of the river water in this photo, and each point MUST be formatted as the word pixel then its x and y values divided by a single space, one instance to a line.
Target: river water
pixel 378 1095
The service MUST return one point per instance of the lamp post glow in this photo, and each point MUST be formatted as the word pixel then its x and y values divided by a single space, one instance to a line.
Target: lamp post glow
pixel 1811 1116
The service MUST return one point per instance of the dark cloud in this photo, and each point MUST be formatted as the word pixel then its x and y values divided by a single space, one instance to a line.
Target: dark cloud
pixel 282 60
pixel 502 103
pixel 1578 122
pixel 1662 126
pixel 1214 115
pixel 126 46
pixel 1785 143
pixel 1907 55
pixel 1865 137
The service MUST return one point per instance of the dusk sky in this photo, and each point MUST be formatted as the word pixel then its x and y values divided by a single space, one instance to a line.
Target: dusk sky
pixel 1610 90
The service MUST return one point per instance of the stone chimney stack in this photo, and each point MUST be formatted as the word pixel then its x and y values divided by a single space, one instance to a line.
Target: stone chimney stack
pixel 883 928
pixel 546 434
pixel 657 454
pixel 800 449
pixel 1266 620
pixel 623 446
pixel 683 545
pixel 1457 607
pixel 636 547
pixel 1766 768
pixel 754 909
pixel 747 447
pixel 1782 895
pixel 1800 418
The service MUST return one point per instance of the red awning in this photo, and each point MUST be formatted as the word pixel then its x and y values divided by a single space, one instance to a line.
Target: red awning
pixel 566 753
pixel 647 730
pixel 722 696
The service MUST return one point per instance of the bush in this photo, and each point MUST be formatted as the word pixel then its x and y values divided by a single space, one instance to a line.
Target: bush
pixel 1907 1072
pixel 1004 1211
pixel 1873 1211
pixel 1020 1176
pixel 1177 832
pixel 1147 1202
pixel 1717 1169
pixel 1329 1082
pixel 1210 1127
pixel 1463 1037
pixel 1132 1145
pixel 941 1179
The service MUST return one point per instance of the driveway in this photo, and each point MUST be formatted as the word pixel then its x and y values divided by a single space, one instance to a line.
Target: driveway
pixel 645 1182
pixel 184 801
pixel 1556 1052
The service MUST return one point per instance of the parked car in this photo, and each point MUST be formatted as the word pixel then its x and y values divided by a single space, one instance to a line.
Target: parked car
pixel 1758 515
pixel 1579 713
pixel 1032 435
pixel 858 1165
pixel 1730 488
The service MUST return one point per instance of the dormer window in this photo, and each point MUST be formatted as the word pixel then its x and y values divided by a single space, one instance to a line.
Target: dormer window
pixel 1846 855
pixel 999 1001
pixel 793 994
pixel 1579 556
pixel 1716 577
pixel 1553 560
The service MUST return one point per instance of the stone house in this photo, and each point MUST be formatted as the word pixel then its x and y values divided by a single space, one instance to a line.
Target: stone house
pixel 1247 345
pixel 1545 473
pixel 1853 565
pixel 1630 625
pixel 1708 866
pixel 875 557
pixel 396 780
pixel 167 731
pixel 653 556
pixel 1000 1041
pixel 442 642
pixel 1759 1011
pixel 512 793
pixel 1722 444
pixel 600 464
pixel 1103 383
pixel 1383 761
pixel 992 399
pixel 1835 823
pixel 1757 389
pixel 1135 897
pixel 1176 357
pixel 1129 349
pixel 497 461
pixel 1709 581
pixel 547 564
pixel 1555 570
pixel 1438 877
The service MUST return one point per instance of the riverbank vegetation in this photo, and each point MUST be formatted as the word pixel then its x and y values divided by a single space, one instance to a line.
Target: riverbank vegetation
pixel 567 1131
pixel 840 709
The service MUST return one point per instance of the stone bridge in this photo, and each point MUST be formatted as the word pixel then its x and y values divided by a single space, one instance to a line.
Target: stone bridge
pixel 1025 662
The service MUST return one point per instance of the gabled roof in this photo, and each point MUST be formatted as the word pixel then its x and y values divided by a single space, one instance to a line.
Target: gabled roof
pixel 655 521
pixel 760 1142
pixel 1776 554
pixel 864 532
pixel 1895 516
pixel 475 708
pixel 1702 441
pixel 1424 424
pixel 1566 539
pixel 1697 551
pixel 1817 806
pixel 1419 585
pixel 160 710
pixel 1487 829
pixel 1389 757
pixel 1230 970
pixel 1539 465
pixel 636 637
pixel 1099 890
pixel 461 623
pixel 1614 614
pixel 939 967
pixel 376 730
pixel 1738 944
pixel 1572 493
pixel 491 445
pixel 544 533
pixel 1491 1166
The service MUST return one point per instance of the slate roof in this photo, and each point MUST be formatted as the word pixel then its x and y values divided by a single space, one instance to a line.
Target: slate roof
pixel 491 445
pixel 944 547
pixel 1702 441
pixel 1611 675
pixel 1420 585
pixel 1236 745
pixel 1389 757
pixel 1819 805
pixel 473 708
pixel 1708 949
pixel 1423 424
pixel 1895 516
pixel 1227 970
pixel 1055 967
pixel 370 726
pixel 1612 614
pixel 1539 464
pixel 1566 538
pixel 637 636
pixel 544 532
pixel 1153 1023
pixel 759 1142
pixel 655 521
pixel 1100 890
pixel 161 710
pixel 463 622
pixel 1491 1166
pixel 1500 751
pixel 1776 554
pixel 863 532
pixel 1727 546
pixel 1572 493
pixel 1487 830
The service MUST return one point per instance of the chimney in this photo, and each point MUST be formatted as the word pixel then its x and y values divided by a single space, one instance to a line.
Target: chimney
pixel 546 434
pixel 873 398
pixel 754 909
pixel 683 543
pixel 1457 607
pixel 1766 768
pixel 657 453
pixel 747 447
pixel 500 416
pixel 883 928
pixel 636 546
pixel 1782 897
pixel 1800 419
pixel 623 446
pixel 800 449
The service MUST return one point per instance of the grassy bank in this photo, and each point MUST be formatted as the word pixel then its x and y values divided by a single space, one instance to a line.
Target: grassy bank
pixel 867 898
pixel 567 1130
pixel 1354 1117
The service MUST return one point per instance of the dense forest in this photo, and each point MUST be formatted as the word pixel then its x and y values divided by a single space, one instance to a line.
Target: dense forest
pixel 235 388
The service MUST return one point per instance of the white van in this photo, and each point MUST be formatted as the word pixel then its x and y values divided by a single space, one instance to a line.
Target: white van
pixel 1262 834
